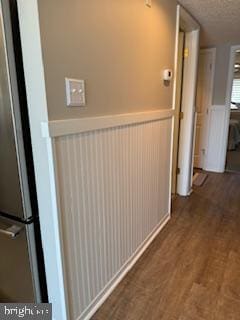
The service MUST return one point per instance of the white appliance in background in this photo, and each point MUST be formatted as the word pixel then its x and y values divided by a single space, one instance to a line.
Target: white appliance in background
pixel 22 277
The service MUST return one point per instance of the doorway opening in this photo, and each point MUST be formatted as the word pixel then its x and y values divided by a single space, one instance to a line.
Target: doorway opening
pixel 233 142
pixel 205 83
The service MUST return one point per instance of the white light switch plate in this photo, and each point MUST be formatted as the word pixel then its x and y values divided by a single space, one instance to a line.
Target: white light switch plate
pixel 75 92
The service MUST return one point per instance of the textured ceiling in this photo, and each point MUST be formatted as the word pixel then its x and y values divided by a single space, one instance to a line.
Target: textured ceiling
pixel 219 20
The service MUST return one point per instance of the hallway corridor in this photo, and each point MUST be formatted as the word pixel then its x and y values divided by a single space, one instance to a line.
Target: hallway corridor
pixel 192 270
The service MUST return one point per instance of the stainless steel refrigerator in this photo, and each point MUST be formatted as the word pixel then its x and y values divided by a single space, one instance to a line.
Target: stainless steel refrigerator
pixel 22 277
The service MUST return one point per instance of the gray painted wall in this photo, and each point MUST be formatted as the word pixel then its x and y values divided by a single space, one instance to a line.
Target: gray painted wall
pixel 119 47
pixel 221 74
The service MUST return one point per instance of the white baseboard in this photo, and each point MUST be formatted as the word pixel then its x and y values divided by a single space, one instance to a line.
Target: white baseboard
pixel 106 292
pixel 216 169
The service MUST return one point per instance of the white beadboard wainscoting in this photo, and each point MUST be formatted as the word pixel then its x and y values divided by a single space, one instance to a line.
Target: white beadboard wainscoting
pixel 217 138
pixel 113 184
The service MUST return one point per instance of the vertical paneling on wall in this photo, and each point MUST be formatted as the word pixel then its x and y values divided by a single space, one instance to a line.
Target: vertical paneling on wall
pixel 113 191
pixel 216 146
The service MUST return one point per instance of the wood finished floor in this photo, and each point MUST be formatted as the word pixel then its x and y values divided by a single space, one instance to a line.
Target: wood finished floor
pixel 192 270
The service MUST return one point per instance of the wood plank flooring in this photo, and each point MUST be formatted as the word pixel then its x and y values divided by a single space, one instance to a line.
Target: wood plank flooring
pixel 192 270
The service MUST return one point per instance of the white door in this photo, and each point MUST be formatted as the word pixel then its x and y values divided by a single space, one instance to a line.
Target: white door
pixel 203 103
pixel 177 109
pixel 186 136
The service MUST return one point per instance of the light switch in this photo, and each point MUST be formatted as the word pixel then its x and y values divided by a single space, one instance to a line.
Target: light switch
pixel 75 92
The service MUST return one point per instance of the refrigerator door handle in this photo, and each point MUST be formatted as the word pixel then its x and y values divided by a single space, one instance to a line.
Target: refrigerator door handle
pixel 11 232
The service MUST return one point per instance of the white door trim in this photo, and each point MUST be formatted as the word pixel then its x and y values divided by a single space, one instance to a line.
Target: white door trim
pixel 176 57
pixel 228 106
pixel 185 162
pixel 43 156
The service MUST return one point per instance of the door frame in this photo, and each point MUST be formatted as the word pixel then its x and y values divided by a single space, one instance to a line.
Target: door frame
pixel 187 128
pixel 223 160
pixel 44 165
